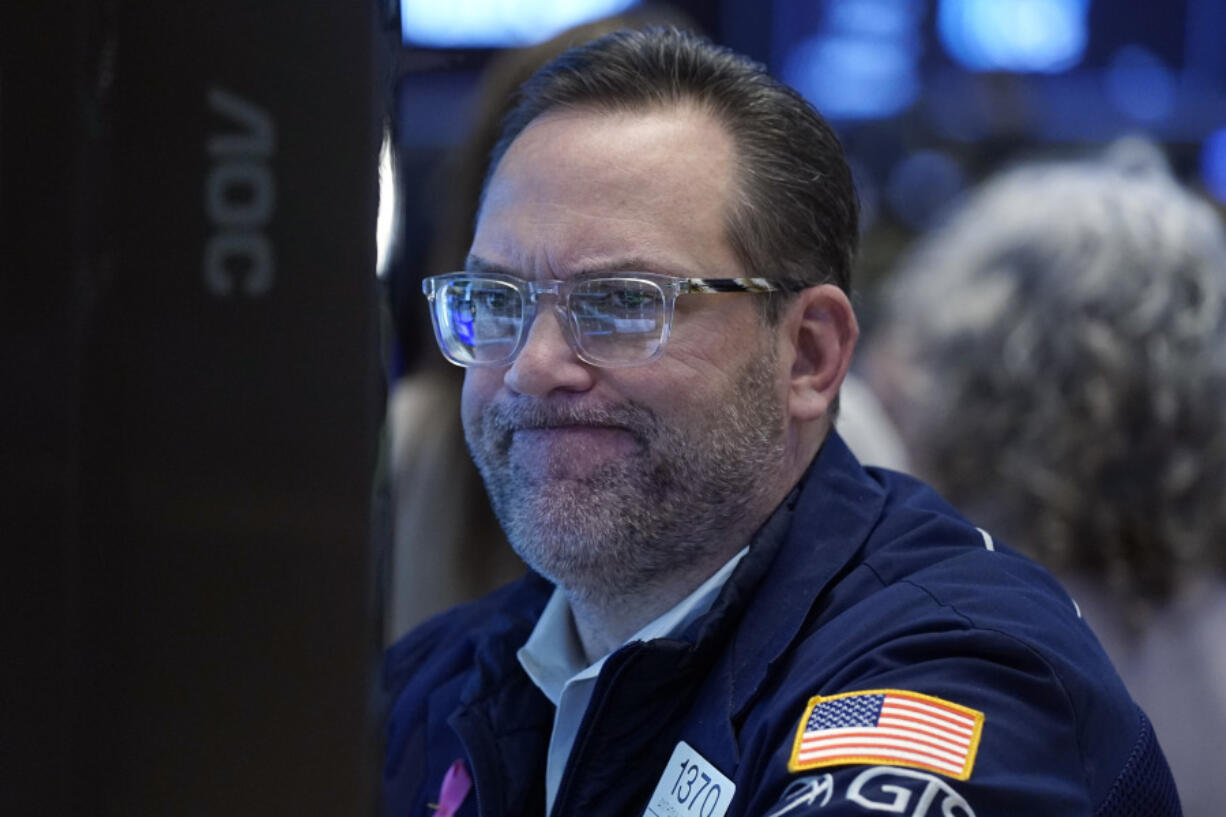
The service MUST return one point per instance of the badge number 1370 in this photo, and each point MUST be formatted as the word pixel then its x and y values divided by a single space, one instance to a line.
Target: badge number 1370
pixel 690 787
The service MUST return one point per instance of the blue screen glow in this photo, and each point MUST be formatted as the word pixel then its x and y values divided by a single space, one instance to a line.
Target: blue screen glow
pixel 1213 164
pixel 1139 84
pixel 497 23
pixel 860 61
pixel 852 79
pixel 1041 36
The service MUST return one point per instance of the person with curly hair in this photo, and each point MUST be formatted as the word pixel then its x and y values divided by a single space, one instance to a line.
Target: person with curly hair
pixel 1055 358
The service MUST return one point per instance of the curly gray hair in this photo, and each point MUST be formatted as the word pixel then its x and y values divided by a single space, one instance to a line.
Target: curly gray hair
pixel 1055 356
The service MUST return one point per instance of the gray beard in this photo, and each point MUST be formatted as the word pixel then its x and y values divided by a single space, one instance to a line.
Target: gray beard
pixel 638 521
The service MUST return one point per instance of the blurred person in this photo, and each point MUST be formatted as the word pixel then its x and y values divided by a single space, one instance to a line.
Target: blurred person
pixel 1055 357
pixel 448 546
pixel 866 426
pixel 725 614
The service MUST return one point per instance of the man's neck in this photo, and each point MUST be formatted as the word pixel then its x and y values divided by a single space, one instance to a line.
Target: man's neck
pixel 604 622
pixel 604 625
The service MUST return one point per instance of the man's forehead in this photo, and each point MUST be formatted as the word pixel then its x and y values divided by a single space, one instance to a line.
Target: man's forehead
pixel 592 190
pixel 617 262
pixel 621 143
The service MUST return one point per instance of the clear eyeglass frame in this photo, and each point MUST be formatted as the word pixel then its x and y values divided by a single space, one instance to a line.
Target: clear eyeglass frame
pixel 610 320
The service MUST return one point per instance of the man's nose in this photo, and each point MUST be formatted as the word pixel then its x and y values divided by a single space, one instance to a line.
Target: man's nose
pixel 547 363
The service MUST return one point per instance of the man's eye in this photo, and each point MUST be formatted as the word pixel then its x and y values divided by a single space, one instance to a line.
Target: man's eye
pixel 629 299
pixel 493 300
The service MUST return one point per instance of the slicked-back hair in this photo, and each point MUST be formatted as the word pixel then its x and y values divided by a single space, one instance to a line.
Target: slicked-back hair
pixel 795 214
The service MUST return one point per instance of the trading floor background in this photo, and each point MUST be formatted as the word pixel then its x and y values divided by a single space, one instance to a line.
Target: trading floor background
pixel 203 315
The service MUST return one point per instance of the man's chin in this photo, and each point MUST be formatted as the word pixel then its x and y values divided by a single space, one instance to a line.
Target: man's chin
pixel 567 556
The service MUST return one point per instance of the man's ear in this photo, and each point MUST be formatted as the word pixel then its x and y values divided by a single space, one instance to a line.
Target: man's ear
pixel 821 329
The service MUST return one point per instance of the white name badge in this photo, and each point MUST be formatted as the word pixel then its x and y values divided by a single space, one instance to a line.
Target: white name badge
pixel 690 787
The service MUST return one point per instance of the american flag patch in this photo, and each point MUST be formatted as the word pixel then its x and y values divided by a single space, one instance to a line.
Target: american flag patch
pixel 890 727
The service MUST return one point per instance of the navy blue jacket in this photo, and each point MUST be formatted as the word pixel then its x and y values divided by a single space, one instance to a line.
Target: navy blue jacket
pixel 863 580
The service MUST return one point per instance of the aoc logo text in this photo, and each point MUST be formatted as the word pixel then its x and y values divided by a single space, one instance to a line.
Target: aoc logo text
pixel 240 197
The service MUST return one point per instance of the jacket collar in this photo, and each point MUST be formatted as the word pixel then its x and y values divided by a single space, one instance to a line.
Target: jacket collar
pixel 802 549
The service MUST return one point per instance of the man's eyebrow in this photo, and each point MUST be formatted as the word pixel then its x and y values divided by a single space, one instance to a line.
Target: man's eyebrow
pixel 475 263
pixel 628 264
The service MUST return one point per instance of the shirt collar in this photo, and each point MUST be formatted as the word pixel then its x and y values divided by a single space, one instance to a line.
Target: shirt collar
pixel 553 654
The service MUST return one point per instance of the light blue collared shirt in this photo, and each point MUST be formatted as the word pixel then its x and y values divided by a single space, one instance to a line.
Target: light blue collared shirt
pixel 554 660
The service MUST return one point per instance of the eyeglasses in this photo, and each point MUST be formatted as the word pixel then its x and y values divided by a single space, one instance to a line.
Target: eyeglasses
pixel 610 320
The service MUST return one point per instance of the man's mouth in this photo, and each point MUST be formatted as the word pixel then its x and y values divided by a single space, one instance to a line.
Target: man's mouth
pixel 537 436
pixel 567 426
pixel 567 431
pixel 572 449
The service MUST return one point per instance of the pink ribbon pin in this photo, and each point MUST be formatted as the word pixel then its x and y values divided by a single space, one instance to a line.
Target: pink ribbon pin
pixel 456 785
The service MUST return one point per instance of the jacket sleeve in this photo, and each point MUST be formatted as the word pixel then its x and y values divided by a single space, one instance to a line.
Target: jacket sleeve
pixel 934 715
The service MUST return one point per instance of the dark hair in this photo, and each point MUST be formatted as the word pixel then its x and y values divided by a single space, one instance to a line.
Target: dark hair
pixel 796 216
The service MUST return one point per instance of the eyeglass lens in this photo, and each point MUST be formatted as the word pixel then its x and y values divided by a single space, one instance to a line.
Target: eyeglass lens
pixel 478 319
pixel 618 319
pixel 613 320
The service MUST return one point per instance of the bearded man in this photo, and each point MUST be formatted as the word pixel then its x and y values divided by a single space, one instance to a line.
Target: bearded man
pixel 725 614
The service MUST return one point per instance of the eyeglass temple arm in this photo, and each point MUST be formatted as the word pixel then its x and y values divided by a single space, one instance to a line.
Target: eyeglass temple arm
pixel 741 285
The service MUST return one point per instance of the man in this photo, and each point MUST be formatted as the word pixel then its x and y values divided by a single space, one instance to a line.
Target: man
pixel 725 614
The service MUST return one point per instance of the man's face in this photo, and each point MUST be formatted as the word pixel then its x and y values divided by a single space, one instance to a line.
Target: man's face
pixel 610 480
